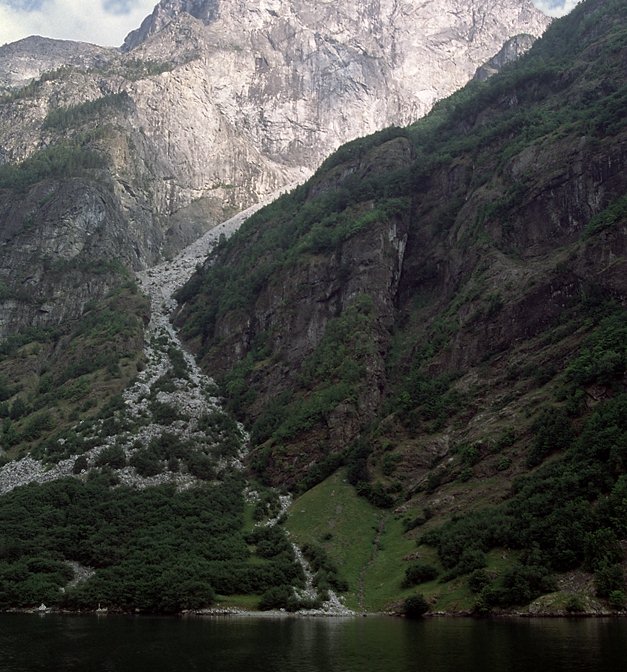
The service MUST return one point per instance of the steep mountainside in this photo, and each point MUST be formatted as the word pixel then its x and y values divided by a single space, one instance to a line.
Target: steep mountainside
pixel 210 107
pixel 440 309
pixel 28 59
pixel 511 51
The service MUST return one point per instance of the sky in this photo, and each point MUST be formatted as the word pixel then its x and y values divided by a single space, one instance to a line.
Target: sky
pixel 107 22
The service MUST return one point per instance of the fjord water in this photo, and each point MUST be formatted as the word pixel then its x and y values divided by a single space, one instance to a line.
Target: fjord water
pixel 247 644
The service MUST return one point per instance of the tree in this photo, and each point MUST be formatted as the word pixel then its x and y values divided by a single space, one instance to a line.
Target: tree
pixel 112 456
pixel 419 573
pixel 415 606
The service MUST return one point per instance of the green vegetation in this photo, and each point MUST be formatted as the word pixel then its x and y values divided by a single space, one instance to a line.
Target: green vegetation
pixel 268 506
pixel 415 606
pixel 326 573
pixel 466 406
pixel 364 545
pixel 334 370
pixel 135 68
pixel 155 550
pixel 603 359
pixel 465 181
pixel 299 229
pixel 331 516
pixel 612 215
pixel 62 118
pixel 425 402
pixel 113 457
pixel 34 87
pixel 53 377
pixel 419 573
pixel 58 161
pixel 554 515
pixel 429 392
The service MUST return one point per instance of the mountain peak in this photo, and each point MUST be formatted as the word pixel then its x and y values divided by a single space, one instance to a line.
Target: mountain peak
pixel 444 19
pixel 29 58
pixel 165 12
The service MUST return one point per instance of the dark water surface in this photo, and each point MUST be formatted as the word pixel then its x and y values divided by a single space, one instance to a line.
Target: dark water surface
pixel 31 643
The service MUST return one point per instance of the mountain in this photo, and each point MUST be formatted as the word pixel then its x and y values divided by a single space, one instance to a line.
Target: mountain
pixel 127 156
pixel 423 346
pixel 511 51
pixel 440 310
pixel 28 59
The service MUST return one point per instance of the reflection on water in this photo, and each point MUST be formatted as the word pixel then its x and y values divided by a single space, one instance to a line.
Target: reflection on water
pixel 374 644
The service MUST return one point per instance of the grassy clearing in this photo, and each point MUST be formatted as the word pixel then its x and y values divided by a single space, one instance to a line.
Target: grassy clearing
pixel 367 544
pixel 384 574
pixel 372 549
pixel 246 602
pixel 333 516
pixel 249 520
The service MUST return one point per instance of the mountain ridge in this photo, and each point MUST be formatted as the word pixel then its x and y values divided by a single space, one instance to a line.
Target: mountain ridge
pixel 202 118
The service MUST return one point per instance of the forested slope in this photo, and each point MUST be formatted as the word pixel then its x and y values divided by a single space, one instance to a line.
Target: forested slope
pixel 440 309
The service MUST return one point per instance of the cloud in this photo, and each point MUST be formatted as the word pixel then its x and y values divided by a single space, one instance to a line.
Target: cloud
pixel 556 7
pixel 105 22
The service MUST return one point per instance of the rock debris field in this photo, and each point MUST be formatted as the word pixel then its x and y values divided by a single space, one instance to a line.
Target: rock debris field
pixel 171 403
pixel 171 397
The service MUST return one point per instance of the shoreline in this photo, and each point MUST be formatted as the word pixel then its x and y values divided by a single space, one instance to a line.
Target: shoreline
pixel 233 612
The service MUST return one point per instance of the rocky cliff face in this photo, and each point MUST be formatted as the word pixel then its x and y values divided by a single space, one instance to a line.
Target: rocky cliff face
pixel 511 51
pixel 28 59
pixel 210 106
pixel 455 249
pixel 299 79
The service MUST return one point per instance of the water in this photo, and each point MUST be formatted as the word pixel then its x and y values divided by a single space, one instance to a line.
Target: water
pixel 375 644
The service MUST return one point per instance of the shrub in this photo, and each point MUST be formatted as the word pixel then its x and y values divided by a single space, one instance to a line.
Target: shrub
pixel 37 424
pixel 63 160
pixel 267 507
pixel 201 467
pixel 278 597
pixel 19 409
pixel 80 464
pixel 376 494
pixel 602 547
pixel 415 606
pixel 574 605
pixel 470 560
pixel 419 573
pixel 553 432
pixel 523 583
pixel 146 463
pixel 608 579
pixel 412 523
pixel 478 580
pixel 112 456
pixel 61 118
pixel 327 573
pixel 179 365
pixel 617 600
pixel 602 360
pixel 270 542
pixel 163 414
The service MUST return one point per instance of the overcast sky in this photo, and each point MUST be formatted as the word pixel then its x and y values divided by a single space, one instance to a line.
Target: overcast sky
pixel 107 22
